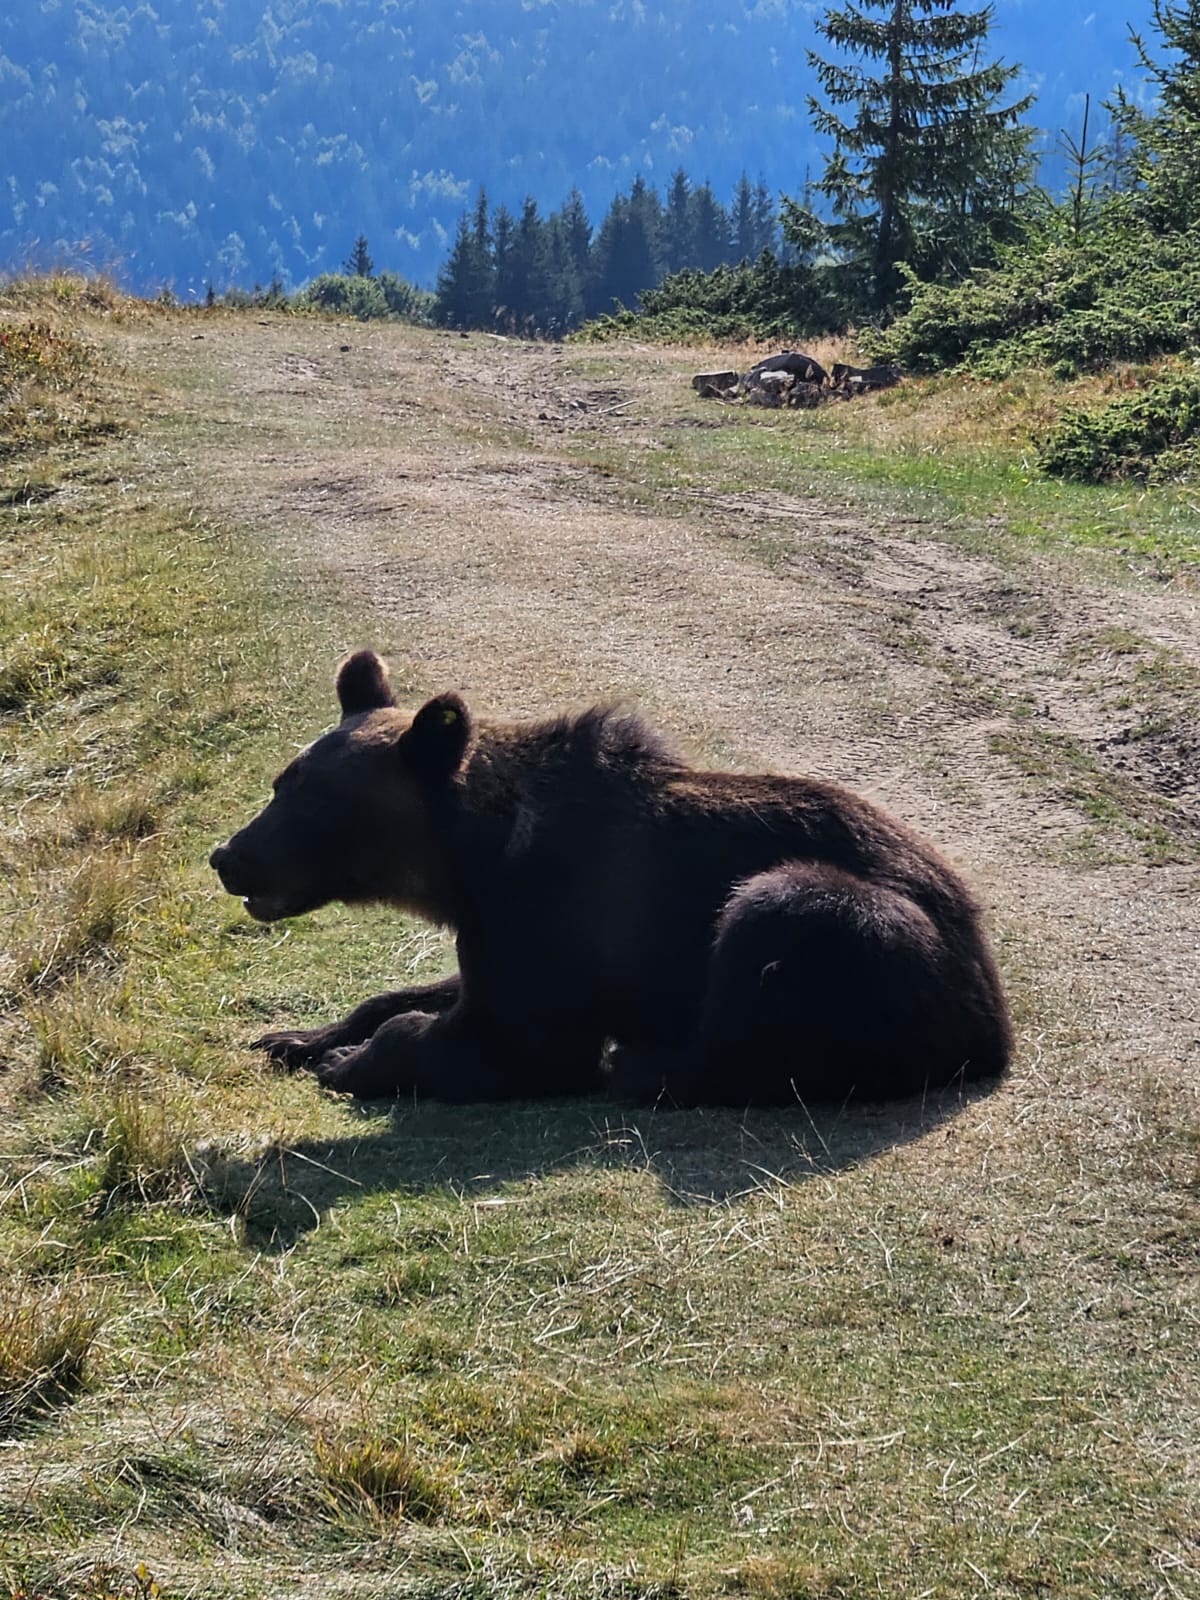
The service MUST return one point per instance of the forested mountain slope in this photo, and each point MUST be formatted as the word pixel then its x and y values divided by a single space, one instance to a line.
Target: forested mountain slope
pixel 188 141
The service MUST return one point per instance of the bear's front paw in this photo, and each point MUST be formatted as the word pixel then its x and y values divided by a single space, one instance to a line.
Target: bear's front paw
pixel 293 1047
pixel 356 1070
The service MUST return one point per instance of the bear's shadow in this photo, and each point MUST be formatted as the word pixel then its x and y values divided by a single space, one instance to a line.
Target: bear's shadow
pixel 696 1157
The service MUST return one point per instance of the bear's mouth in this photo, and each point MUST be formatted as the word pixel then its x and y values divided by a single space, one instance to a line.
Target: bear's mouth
pixel 274 908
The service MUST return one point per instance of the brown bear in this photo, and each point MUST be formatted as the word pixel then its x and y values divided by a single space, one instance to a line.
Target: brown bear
pixel 734 939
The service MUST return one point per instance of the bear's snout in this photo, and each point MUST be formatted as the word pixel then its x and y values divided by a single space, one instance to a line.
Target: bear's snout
pixel 224 864
pixel 266 894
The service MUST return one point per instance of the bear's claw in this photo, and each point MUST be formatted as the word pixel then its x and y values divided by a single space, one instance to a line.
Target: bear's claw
pixel 294 1048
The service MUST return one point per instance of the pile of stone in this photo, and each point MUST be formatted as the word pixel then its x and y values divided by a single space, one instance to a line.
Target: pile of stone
pixel 795 380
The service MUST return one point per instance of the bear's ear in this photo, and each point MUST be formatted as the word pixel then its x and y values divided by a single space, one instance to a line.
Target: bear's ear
pixel 437 741
pixel 362 684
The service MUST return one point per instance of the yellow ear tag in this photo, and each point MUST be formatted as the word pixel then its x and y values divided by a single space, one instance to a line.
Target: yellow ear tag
pixel 449 716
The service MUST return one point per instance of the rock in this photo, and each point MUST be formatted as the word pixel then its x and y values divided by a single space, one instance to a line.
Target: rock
pixel 862 380
pixel 796 362
pixel 805 396
pixel 710 385
pixel 771 390
pixel 778 383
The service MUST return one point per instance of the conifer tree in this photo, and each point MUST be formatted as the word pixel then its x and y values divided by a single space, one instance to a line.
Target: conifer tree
pixel 564 308
pixel 645 213
pixel 466 284
pixel 1165 153
pixel 928 161
pixel 751 220
pixel 766 218
pixel 529 268
pixel 1085 165
pixel 677 233
pixel 743 221
pixel 359 263
pixel 507 290
pixel 568 237
pixel 710 225
pixel 624 258
pixel 578 232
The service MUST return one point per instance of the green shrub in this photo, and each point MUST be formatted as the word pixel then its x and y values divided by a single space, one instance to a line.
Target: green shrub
pixel 368 299
pixel 347 297
pixel 760 299
pixel 1121 294
pixel 404 299
pixel 1151 436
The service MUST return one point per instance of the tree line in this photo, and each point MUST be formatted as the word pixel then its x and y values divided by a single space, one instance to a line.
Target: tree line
pixel 546 275
pixel 930 170
pixel 927 232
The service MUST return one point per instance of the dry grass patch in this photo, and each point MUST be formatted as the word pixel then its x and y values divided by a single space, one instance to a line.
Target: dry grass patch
pixel 50 664
pixel 79 1036
pixel 144 1137
pixel 48 393
pixel 382 1478
pixel 84 912
pixel 959 411
pixel 78 293
pixel 92 815
pixel 47 1332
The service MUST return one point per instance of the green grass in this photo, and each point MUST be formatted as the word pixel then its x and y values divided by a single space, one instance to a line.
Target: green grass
pixel 257 1338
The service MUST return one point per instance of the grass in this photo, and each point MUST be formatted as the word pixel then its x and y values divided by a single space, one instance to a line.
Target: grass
pixel 46 1338
pixel 47 395
pixel 255 1337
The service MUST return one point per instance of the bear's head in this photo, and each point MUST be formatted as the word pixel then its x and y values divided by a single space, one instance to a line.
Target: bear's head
pixel 359 815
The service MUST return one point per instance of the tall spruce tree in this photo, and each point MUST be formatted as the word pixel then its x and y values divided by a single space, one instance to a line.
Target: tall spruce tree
pixel 743 222
pixel 677 236
pixel 358 262
pixel 1164 144
pixel 506 288
pixel 710 229
pixel 751 220
pixel 624 253
pixel 929 164
pixel 766 215
pixel 466 286
pixel 531 270
pixel 578 231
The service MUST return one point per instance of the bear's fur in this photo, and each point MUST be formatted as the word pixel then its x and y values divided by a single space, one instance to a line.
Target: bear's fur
pixel 737 939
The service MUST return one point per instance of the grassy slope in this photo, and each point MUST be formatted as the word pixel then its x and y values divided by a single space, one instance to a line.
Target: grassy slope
pixel 254 1336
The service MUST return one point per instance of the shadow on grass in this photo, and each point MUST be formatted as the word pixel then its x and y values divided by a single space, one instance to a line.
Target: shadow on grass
pixel 698 1157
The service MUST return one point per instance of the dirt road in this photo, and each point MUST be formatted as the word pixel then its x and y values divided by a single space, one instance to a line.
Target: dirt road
pixel 506 520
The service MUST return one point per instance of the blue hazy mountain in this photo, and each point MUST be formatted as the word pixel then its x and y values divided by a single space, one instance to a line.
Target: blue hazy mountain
pixel 187 141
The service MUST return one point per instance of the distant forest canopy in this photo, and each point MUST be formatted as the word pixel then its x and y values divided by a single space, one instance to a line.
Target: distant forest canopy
pixel 535 275
pixel 183 142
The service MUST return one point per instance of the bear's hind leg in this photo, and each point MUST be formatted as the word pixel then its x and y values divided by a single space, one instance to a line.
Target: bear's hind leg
pixel 302 1047
pixel 824 986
